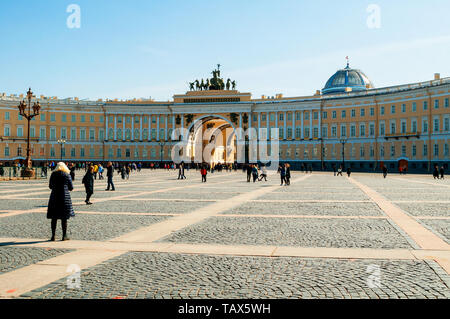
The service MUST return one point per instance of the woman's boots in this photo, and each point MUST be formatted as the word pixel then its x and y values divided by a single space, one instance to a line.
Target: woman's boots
pixel 64 229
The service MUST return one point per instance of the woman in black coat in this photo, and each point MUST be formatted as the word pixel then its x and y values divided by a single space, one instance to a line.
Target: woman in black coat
pixel 60 203
pixel 88 181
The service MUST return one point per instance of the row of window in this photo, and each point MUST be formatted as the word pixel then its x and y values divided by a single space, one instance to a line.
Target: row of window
pixel 153 152
pixel 64 117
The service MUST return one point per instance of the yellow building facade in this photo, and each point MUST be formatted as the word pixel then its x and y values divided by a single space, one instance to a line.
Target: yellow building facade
pixel 347 121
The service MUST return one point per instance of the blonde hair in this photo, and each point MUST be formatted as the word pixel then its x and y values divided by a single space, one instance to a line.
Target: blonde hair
pixel 62 167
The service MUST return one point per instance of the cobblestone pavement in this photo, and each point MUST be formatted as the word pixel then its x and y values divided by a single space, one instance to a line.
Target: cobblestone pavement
pixel 159 237
pixel 12 258
pixel 150 275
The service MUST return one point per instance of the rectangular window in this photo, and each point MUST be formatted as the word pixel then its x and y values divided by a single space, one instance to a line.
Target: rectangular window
pixel 414 107
pixel 63 133
pixel 42 117
pixel 82 152
pixel 91 152
pixel 414 150
pixel 255 118
pixel 153 119
pixel 91 135
pixel 101 118
pixel 315 132
pixel 334 131
pixel 324 132
pixel 316 115
pixel 52 118
pixel 436 104
pixel 343 131
pixel 298 132
pixel 272 117
pixel 343 114
pixel 42 132
pixel 393 128
pixel 382 129
pixel 403 127
pixel 372 111
pixel 6 151
pixel 393 109
pixel 64 118
pixel 352 131
pixel 83 119
pixel 92 118
pixel 20 131
pixel 119 119
pixel 324 115
pixel 392 150
pixel 6 131
pixel 306 115
pixel 74 118
pixel 83 135
pixel 52 133
pixel 119 152
pixel 263 117
pixel 127 119
pixel 425 105
pixel 362 112
pixel 372 129
pixel 436 149
pixel 281 133
pixel 446 124
pixel 362 130
pixel 101 135
pixel 403 150
pixel 353 112
pixel 403 108
pixel 289 133
pixel 414 126
pixel 306 132
pixel 72 152
pixel 6 115
pixel 32 132
pixel 446 102
pixel 436 125
pixel 382 110
pixel 334 114
pixel 425 150
pixel 425 126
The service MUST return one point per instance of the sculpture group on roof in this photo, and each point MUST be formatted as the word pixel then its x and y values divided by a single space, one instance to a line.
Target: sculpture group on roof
pixel 215 83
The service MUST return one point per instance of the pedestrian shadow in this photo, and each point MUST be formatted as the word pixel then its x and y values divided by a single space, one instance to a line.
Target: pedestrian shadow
pixel 14 243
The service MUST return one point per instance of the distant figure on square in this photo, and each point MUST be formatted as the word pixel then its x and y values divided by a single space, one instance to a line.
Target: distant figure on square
pixel 88 181
pixel 72 171
pixel 249 172
pixel 436 172
pixel 441 171
pixel 385 171
pixel 109 175
pixel 282 172
pixel 263 173
pixel 339 171
pixel 203 172
pixel 255 173
pixel 349 171
pixel 334 169
pixel 60 203
pixel 288 174
pixel 181 171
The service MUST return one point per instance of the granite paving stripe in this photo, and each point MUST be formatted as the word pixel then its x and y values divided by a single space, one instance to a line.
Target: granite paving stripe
pixel 196 276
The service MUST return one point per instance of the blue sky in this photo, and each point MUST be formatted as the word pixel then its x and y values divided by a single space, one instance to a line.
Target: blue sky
pixel 143 48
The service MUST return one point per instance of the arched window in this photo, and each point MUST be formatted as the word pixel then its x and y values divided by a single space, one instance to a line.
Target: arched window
pixel 119 134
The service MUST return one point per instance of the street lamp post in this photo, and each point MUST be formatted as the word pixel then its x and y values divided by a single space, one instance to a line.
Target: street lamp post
pixel 343 141
pixel 61 142
pixel 28 170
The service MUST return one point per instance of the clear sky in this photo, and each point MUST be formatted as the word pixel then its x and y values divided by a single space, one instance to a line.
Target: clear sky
pixel 153 48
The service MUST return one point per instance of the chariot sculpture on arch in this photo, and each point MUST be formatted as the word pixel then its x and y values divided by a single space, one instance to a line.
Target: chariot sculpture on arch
pixel 213 84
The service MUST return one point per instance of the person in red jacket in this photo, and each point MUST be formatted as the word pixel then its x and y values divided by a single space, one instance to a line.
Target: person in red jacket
pixel 203 171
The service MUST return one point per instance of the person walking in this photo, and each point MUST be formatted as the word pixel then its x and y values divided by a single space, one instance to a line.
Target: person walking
pixel 254 173
pixel 349 171
pixel 181 171
pixel 385 171
pixel 72 172
pixel 436 172
pixel 282 172
pixel 128 171
pixel 100 171
pixel 88 181
pixel 249 172
pixel 334 169
pixel 288 174
pixel 109 175
pixel 60 203
pixel 441 171
pixel 263 173
pixel 95 171
pixel 203 172
pixel 339 171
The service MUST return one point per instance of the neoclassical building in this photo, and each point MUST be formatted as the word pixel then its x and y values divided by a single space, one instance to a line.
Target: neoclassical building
pixel 349 121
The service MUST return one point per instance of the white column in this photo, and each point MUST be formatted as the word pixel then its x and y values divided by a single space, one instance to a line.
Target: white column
pixel 240 126
pixel 259 124
pixel 182 125
pixel 123 127
pixel 285 124
pixel 115 127
pixel 320 124
pixel 106 127
pixel 140 128
pixel 157 127
pixel 293 124
pixel 149 135
pixel 132 127
pixel 310 124
pixel 250 135
pixel 165 129
pixel 173 124
pixel 268 125
pixel 303 128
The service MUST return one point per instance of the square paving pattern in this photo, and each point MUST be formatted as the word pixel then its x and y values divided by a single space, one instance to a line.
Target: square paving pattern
pixel 158 237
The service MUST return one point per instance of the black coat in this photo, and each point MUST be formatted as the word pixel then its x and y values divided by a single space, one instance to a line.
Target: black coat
pixel 88 181
pixel 110 171
pixel 60 203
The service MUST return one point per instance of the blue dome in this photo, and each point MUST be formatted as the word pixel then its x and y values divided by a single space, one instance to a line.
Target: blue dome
pixel 347 78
